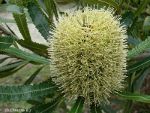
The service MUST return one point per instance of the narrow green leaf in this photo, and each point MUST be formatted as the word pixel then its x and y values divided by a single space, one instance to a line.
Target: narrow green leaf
pixel 6 42
pixel 22 25
pixel 135 97
pixel 3 59
pixel 78 106
pixel 31 78
pixel 37 48
pixel 12 68
pixel 139 65
pixel 26 92
pixel 26 56
pixel 39 20
pixel 139 48
pixel 51 8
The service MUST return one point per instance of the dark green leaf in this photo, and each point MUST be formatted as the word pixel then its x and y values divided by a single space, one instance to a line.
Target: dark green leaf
pixel 22 25
pixel 31 78
pixel 26 92
pixel 78 106
pixel 39 20
pixel 19 2
pixel 6 42
pixel 26 56
pixel 37 48
pixel 139 48
pixel 127 18
pixel 51 8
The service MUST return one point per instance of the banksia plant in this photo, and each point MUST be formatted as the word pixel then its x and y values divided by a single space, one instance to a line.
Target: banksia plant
pixel 88 54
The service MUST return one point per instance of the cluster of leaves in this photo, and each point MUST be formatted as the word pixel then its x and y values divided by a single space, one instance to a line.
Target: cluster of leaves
pixel 136 17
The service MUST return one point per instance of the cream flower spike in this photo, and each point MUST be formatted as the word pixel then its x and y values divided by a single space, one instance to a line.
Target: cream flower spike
pixel 88 54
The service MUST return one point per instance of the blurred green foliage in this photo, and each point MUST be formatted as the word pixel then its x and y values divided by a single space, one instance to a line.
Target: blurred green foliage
pixel 135 16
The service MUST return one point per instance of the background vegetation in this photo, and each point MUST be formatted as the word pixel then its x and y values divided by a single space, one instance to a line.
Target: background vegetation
pixel 24 63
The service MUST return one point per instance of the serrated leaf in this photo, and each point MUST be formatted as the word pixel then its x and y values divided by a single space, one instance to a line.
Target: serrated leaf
pixel 78 106
pixel 102 2
pixel 6 42
pixel 37 48
pixel 26 56
pixel 26 92
pixel 144 45
pixel 22 25
pixel 39 20
pixel 135 97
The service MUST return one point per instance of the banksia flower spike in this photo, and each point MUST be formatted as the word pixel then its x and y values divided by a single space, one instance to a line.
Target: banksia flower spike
pixel 88 54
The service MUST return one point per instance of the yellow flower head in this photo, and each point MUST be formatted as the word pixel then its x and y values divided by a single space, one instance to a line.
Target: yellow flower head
pixel 88 53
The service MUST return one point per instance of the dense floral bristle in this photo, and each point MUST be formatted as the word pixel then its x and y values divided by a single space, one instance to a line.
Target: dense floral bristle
pixel 88 54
